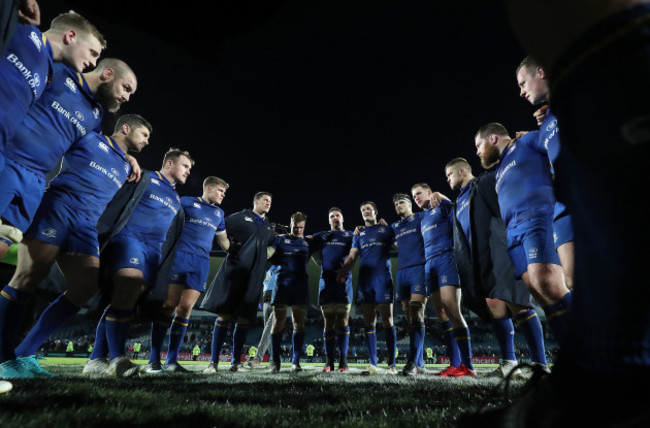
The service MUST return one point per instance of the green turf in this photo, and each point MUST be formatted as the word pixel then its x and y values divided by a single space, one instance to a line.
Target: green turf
pixel 244 399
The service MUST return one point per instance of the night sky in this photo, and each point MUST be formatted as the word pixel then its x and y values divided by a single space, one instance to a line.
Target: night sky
pixel 323 103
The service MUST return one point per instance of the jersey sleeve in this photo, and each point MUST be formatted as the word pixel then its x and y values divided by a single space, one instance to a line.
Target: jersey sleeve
pixel 356 242
pixel 532 140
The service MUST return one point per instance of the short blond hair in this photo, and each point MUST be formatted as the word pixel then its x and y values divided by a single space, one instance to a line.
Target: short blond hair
pixel 71 20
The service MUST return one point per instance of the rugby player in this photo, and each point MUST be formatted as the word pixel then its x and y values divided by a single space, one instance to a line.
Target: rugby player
pixel 235 290
pixel 534 86
pixel 133 257
pixel 290 252
pixel 487 275
pixel 64 231
pixel 26 66
pixel 203 221
pixel 411 289
pixel 375 288
pixel 527 202
pixel 334 297
pixel 441 274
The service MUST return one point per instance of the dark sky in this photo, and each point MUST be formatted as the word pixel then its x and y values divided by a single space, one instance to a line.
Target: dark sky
pixel 321 102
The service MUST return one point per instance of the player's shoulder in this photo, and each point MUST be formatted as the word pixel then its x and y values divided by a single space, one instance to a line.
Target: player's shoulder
pixel 528 138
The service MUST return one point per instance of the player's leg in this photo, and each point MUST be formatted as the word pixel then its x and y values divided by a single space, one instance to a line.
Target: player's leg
pixel 279 318
pixel 546 283
pixel 219 332
pixel 265 338
pixel 527 320
pixel 179 325
pixel 81 273
pixel 386 314
pixel 450 297
pixel 566 252
pixel 160 325
pixel 35 259
pixel 128 285
pixel 342 312
pixel 504 330
pixel 298 314
pixel 329 335
pixel 415 308
pixel 370 323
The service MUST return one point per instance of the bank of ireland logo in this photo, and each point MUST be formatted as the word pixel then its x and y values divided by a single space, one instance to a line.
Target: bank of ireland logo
pixel 551 125
pixel 37 79
pixel 533 253
pixel 115 172
pixel 49 233
pixel 79 116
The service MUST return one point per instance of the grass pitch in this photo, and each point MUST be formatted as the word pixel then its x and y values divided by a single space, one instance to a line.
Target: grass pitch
pixel 252 398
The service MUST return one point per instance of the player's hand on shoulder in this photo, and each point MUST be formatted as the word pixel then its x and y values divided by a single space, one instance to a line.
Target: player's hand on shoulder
pixel 136 172
pixel 29 13
pixel 437 198
pixel 540 114
pixel 520 134
pixel 383 222
pixel 358 229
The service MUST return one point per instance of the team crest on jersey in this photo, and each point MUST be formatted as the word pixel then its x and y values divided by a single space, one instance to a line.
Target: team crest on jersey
pixel 247 218
pixel 79 115
pixel 36 40
pixel 115 172
pixel 49 233
pixel 70 84
pixel 126 168
pixel 96 113
pixel 103 146
pixel 382 230
pixel 156 182
pixel 551 125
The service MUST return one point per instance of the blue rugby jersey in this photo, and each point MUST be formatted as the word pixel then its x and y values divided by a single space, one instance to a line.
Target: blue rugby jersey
pixel 524 184
pixel 202 221
pixel 335 246
pixel 154 213
pixel 410 245
pixel 374 243
pixel 64 114
pixel 292 255
pixel 24 72
pixel 549 136
pixel 437 229
pixel 93 171
pixel 462 212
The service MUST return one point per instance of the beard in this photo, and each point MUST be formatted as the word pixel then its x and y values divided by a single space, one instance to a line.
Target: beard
pixel 106 98
pixel 489 157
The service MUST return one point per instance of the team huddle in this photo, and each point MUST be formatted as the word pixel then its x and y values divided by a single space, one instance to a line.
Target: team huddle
pixel 503 243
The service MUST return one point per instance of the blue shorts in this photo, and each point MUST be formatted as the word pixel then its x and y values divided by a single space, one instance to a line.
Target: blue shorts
pixel 441 271
pixel 21 191
pixel 562 230
pixel 291 292
pixel 332 291
pixel 125 251
pixel 190 270
pixel 377 288
pixel 58 224
pixel 410 281
pixel 532 242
